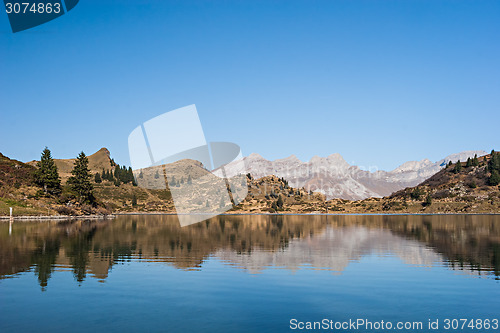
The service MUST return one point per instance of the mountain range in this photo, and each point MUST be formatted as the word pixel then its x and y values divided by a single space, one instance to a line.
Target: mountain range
pixel 336 178
pixel 459 188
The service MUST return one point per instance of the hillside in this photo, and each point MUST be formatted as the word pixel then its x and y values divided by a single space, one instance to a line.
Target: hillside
pixel 447 191
pixel 457 188
pixel 17 190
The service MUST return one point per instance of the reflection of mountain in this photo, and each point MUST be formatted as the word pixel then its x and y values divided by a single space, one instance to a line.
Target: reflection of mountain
pixel 249 242
pixel 335 249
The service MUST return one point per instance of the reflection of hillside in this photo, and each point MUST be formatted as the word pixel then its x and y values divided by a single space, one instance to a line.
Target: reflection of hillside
pixel 161 239
pixel 250 242
pixel 41 245
pixel 335 249
pixel 94 247
pixel 464 240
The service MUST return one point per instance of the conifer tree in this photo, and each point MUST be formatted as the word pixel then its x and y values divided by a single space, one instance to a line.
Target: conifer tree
pixel 97 178
pixel 494 167
pixel 80 180
pixel 458 167
pixel 494 162
pixel 279 202
pixel 47 175
pixel 475 161
pixel 469 163
pixel 494 179
pixel 134 200
pixel 130 175
pixel 117 172
pixel 428 200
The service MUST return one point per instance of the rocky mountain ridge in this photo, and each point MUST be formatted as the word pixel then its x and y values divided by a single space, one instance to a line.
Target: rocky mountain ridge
pixel 336 178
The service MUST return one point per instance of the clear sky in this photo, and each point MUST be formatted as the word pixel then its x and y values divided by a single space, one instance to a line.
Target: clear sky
pixel 380 82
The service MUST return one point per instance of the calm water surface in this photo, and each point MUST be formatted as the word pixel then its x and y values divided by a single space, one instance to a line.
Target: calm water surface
pixel 247 273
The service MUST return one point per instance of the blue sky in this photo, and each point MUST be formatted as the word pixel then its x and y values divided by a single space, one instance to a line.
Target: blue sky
pixel 380 82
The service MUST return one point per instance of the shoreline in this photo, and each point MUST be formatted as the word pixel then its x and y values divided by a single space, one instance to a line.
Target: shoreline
pixel 312 214
pixel 57 217
pixel 113 216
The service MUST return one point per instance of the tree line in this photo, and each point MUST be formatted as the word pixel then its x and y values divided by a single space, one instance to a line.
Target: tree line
pixel 120 175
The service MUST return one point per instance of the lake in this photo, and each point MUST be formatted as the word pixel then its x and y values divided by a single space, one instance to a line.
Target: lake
pixel 252 274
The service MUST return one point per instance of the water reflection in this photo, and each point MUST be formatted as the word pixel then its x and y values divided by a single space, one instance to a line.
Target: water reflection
pixel 253 243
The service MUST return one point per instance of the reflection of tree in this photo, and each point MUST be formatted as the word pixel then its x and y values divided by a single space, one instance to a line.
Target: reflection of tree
pixel 44 259
pixel 495 259
pixel 78 251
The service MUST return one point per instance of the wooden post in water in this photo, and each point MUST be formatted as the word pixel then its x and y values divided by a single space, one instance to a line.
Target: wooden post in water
pixel 11 219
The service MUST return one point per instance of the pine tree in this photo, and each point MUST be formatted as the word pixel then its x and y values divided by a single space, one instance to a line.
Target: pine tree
pixel 189 181
pixel 469 163
pixel 494 162
pixel 279 202
pixel 141 175
pixel 475 161
pixel 494 179
pixel 157 175
pixel 130 175
pixel 80 180
pixel 47 175
pixel 134 200
pixel 116 173
pixel 428 200
pixel 97 178
pixel 458 167
pixel 124 175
